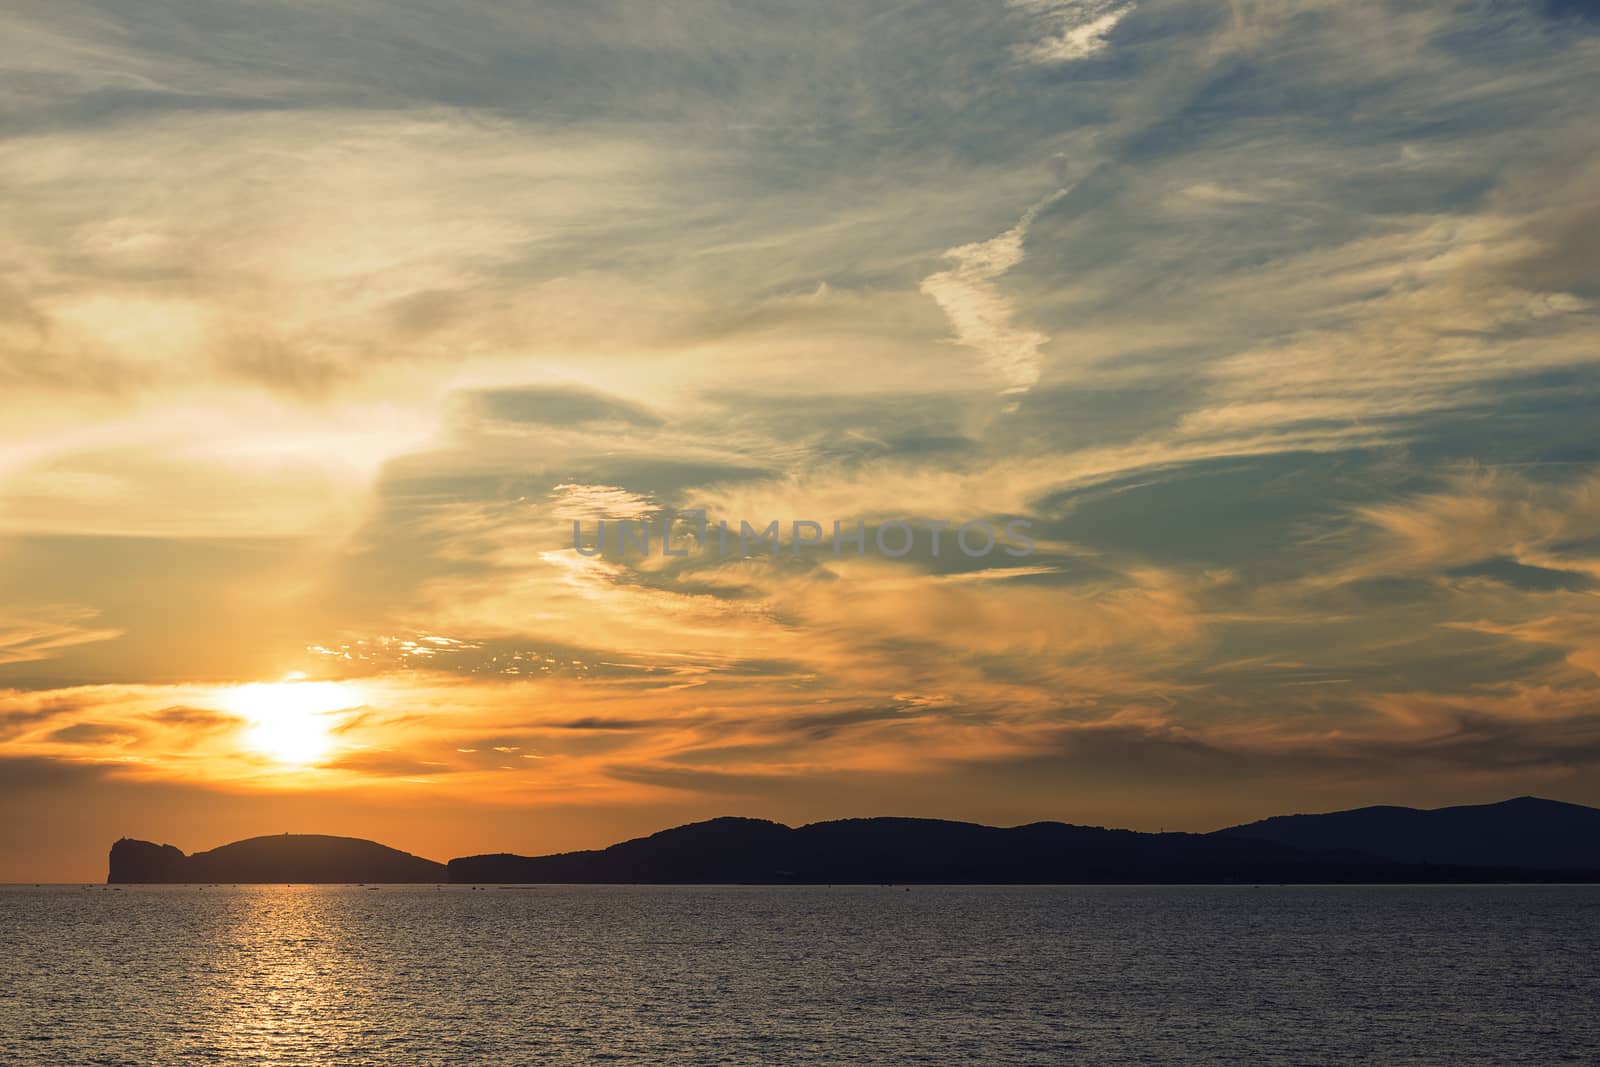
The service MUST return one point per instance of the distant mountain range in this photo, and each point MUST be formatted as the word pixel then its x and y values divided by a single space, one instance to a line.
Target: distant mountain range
pixel 1525 839
pixel 1524 832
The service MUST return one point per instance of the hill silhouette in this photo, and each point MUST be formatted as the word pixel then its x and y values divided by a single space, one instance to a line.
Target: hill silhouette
pixel 1522 832
pixel 886 850
pixel 1517 840
pixel 1525 839
pixel 279 858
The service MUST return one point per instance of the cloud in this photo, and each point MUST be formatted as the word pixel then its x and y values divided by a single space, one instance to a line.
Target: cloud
pixel 196 718
pixel 980 313
pixel 42 635
pixel 556 406
pixel 584 502
pixel 593 723
pixel 1485 514
pixel 388 764
pixel 93 733
pixel 1077 29
pixel 31 772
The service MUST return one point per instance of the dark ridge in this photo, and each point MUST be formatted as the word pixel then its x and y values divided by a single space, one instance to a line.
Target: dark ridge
pixel 1525 839
pixel 1527 832
pixel 933 851
pixel 280 858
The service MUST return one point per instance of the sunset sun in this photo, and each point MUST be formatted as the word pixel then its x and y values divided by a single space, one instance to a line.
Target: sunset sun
pixel 291 721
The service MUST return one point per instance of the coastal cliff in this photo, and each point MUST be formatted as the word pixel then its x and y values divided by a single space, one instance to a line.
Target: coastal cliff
pixel 279 858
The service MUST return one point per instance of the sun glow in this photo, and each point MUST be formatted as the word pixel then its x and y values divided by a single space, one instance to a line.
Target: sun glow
pixel 292 721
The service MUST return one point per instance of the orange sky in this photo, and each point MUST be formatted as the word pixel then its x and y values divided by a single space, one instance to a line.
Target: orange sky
pixel 317 334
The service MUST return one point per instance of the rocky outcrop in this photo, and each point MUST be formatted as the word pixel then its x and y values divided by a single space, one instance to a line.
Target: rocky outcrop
pixel 280 858
pixel 142 861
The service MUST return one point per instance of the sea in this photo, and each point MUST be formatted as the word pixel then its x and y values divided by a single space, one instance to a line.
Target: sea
pixel 666 975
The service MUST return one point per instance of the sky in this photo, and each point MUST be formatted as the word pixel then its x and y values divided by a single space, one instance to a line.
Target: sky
pixel 1276 321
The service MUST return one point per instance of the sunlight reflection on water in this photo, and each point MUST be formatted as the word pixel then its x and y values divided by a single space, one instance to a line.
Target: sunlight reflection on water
pixel 415 975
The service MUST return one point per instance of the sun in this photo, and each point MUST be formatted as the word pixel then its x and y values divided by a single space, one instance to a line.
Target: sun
pixel 291 721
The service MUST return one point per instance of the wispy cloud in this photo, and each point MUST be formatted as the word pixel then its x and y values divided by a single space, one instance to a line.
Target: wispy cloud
pixel 47 632
pixel 1076 29
pixel 980 313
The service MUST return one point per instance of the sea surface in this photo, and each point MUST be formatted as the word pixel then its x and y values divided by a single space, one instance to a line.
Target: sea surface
pixel 418 975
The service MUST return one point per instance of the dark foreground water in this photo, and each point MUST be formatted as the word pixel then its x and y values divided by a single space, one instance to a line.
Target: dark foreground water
pixel 684 975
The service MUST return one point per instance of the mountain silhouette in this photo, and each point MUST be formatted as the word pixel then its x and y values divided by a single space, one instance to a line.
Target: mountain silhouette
pixel 1525 839
pixel 886 850
pixel 1523 832
pixel 281 858
pixel 1517 840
